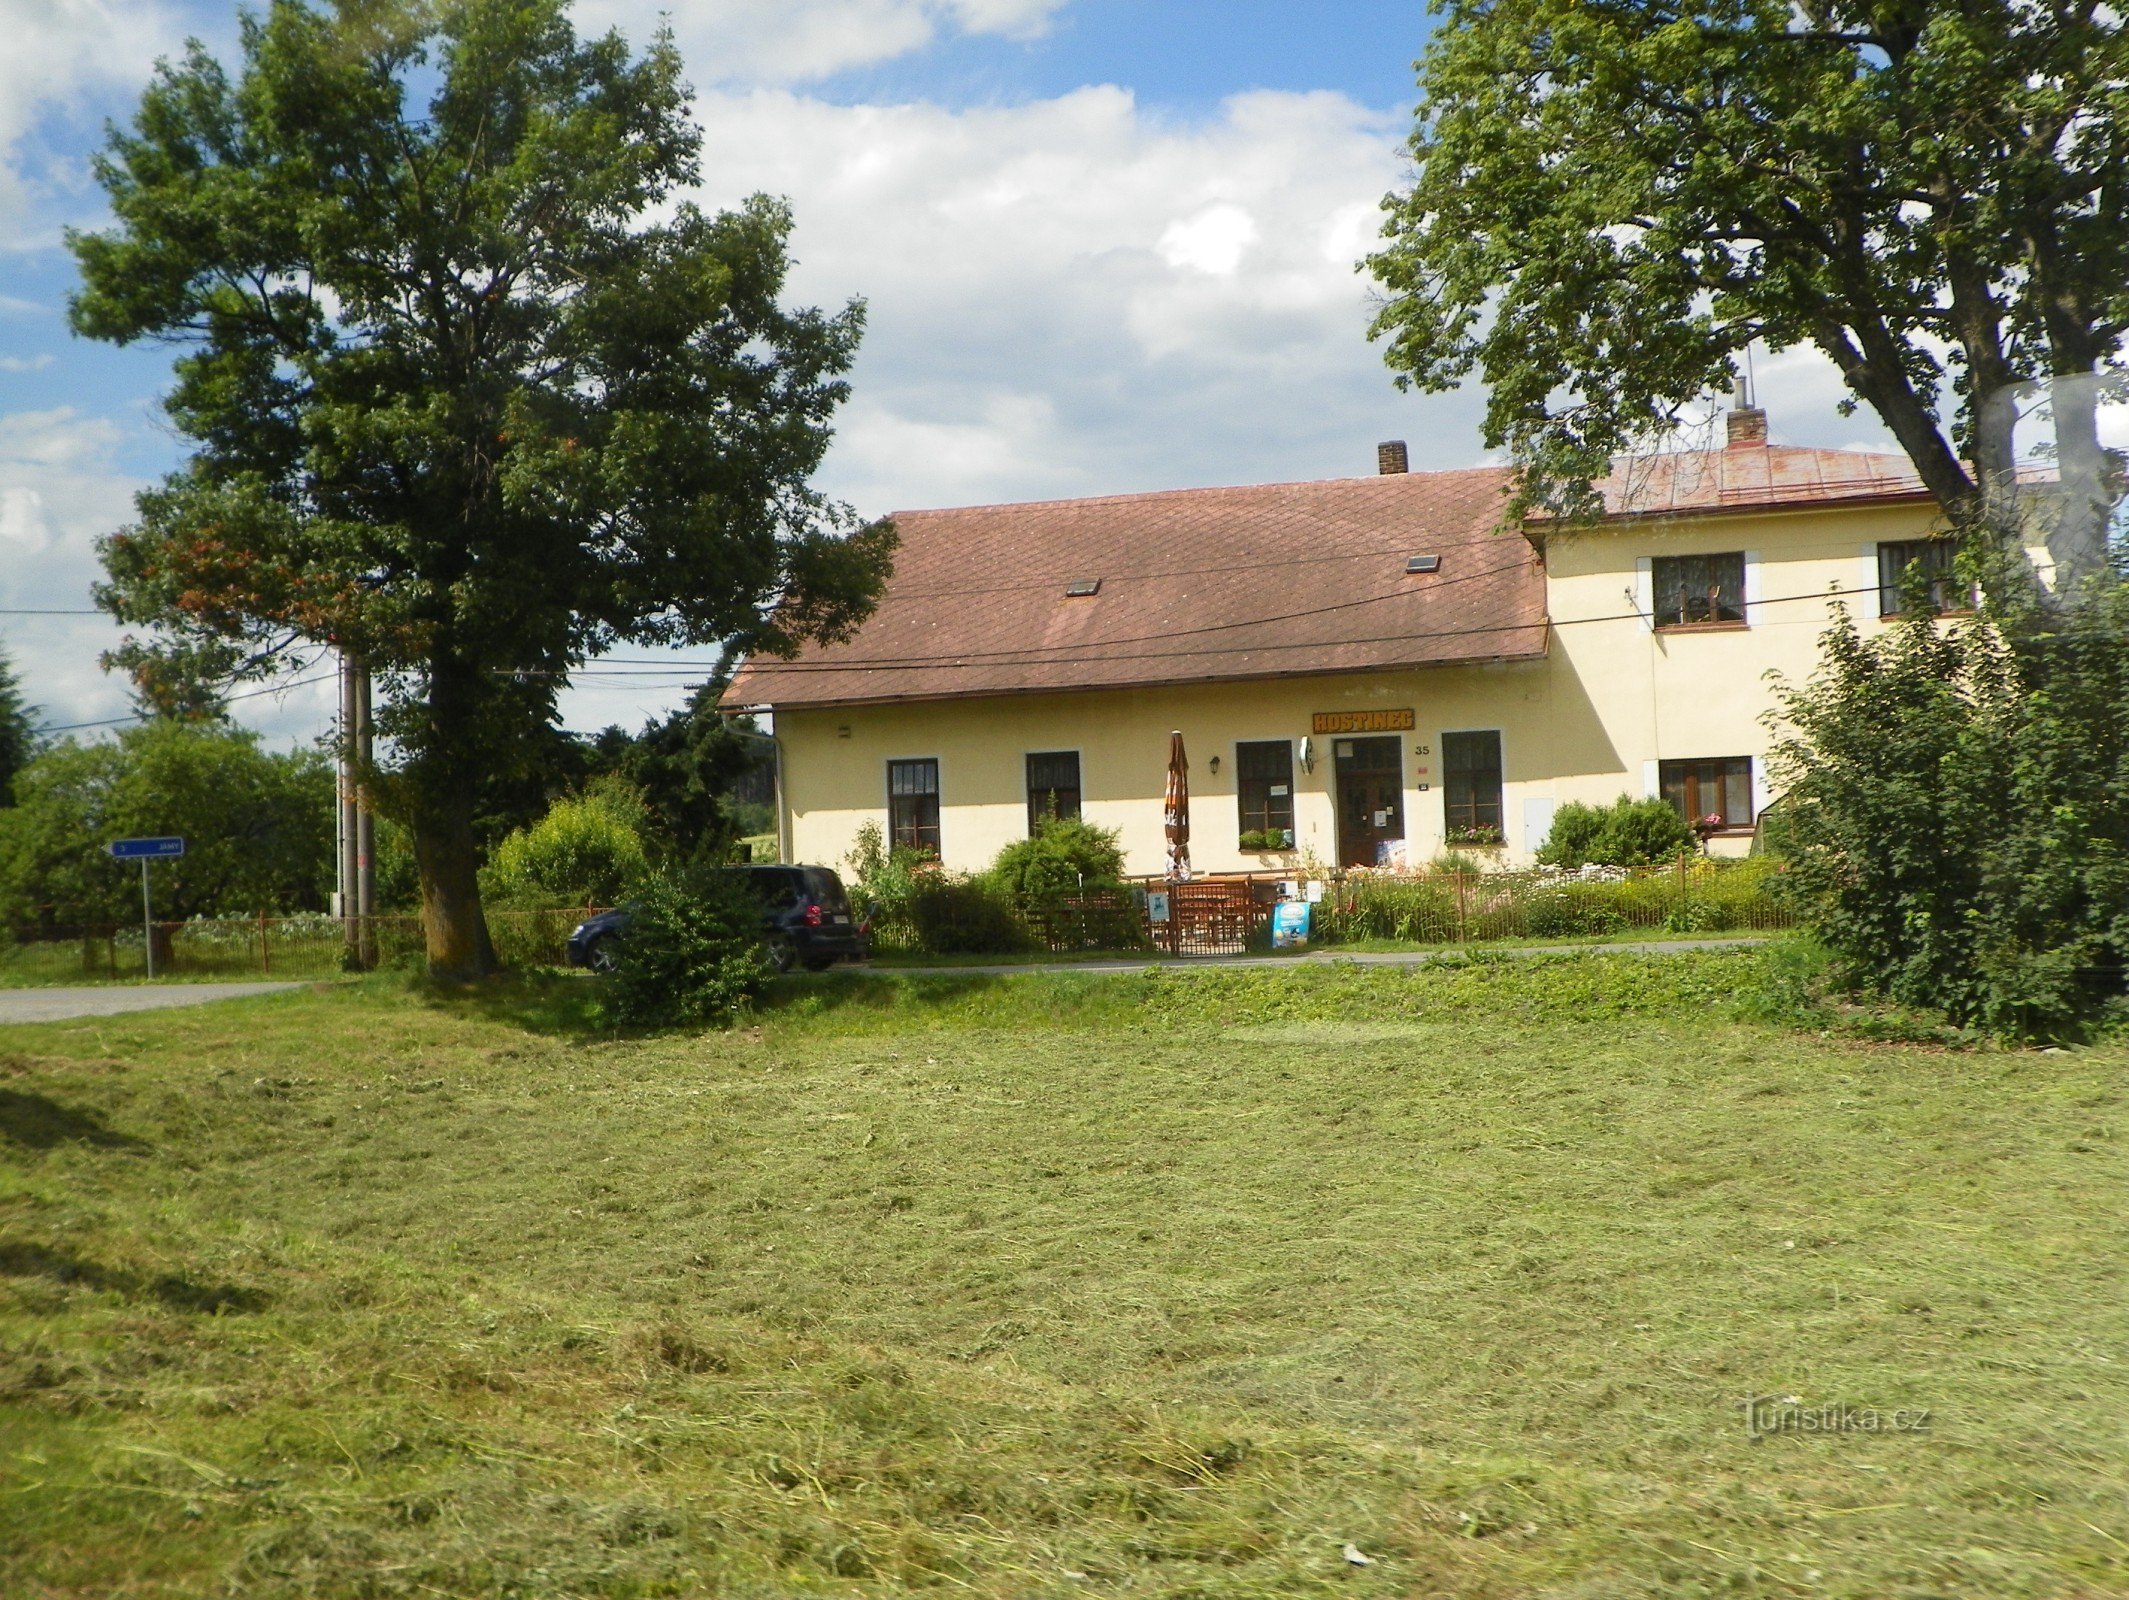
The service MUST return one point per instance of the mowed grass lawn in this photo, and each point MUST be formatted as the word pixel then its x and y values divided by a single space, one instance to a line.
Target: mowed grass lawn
pixel 1058 1285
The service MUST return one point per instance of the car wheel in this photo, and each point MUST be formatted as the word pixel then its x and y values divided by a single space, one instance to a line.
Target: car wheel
pixel 604 954
pixel 781 953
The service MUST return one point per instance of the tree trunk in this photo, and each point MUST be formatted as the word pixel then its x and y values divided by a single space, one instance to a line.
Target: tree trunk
pixel 452 922
pixel 2077 522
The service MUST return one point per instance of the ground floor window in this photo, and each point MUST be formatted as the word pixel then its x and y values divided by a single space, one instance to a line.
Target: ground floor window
pixel 1264 793
pixel 913 804
pixel 1714 794
pixel 1936 557
pixel 1471 786
pixel 1053 787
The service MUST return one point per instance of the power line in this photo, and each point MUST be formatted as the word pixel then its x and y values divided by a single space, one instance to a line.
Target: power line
pixel 1079 645
pixel 1027 656
pixel 141 716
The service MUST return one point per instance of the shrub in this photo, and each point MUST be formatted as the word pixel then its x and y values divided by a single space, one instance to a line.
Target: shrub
pixel 692 954
pixel 1061 856
pixel 1626 833
pixel 882 883
pixel 587 851
pixel 965 916
pixel 1958 809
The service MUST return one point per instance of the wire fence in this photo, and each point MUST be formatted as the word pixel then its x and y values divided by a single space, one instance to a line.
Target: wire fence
pixel 1693 895
pixel 1226 915
pixel 1207 916
pixel 268 947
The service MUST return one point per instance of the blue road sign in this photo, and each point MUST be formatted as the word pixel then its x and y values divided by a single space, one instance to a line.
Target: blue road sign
pixel 145 849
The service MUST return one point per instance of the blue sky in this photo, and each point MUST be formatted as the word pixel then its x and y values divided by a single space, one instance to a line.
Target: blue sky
pixel 1108 245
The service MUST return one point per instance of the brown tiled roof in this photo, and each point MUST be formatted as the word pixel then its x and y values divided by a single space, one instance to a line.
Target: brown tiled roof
pixel 1752 477
pixel 1213 584
pixel 1196 585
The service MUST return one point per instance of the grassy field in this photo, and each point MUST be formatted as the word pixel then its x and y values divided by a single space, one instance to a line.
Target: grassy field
pixel 1171 1284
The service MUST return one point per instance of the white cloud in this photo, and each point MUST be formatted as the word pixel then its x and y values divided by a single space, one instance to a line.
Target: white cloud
pixel 788 41
pixel 59 55
pixel 1212 242
pixel 60 490
pixel 35 363
pixel 1079 296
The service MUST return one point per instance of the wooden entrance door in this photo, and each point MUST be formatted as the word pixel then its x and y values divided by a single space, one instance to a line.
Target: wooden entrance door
pixel 1371 798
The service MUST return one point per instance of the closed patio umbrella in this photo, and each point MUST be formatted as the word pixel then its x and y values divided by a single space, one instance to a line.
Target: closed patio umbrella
pixel 1176 810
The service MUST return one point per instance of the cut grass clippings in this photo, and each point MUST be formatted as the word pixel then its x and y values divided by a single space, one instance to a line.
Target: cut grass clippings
pixel 1151 1284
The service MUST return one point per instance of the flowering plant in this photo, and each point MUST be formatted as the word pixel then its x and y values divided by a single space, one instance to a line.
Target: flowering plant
pixel 1480 834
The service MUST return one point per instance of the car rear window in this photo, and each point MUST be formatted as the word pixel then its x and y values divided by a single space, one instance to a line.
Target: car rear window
pixel 772 886
pixel 824 886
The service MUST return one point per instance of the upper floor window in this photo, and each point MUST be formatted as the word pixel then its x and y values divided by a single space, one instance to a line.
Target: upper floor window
pixel 913 804
pixel 1471 786
pixel 1699 591
pixel 1264 793
pixel 1053 788
pixel 1715 795
pixel 1937 559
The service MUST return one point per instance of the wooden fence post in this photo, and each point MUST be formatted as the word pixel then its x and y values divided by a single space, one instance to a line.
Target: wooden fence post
pixel 1463 909
pixel 265 961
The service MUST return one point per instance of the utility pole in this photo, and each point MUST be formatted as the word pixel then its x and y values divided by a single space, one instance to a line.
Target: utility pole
pixel 365 826
pixel 350 817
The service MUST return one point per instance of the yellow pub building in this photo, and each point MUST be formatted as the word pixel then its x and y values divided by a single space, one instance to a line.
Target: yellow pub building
pixel 1365 671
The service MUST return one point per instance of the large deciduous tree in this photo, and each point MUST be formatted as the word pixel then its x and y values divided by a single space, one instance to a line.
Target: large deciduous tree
pixel 471 394
pixel 1614 198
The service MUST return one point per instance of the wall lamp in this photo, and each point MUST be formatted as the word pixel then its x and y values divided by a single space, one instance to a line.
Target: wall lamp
pixel 1214 764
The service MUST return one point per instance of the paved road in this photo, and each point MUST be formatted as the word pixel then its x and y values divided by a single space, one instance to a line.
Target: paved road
pixel 55 1005
pixel 1320 958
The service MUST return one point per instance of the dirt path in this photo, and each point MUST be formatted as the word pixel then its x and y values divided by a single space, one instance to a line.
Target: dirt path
pixel 55 1005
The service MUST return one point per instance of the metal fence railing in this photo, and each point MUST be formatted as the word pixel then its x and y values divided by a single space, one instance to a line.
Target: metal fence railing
pixel 1224 915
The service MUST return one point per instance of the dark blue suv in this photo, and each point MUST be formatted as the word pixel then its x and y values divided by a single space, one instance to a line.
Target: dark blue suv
pixel 806 921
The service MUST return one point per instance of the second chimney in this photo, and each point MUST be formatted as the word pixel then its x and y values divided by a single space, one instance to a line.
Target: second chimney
pixel 1747 426
pixel 1391 459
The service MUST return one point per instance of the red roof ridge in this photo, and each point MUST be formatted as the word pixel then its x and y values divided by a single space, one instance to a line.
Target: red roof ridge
pixel 1433 475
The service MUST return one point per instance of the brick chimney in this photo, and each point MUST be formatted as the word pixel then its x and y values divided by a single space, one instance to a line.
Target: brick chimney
pixel 1747 427
pixel 1391 459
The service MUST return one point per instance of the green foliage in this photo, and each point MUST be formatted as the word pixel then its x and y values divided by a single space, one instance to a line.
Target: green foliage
pixel 587 851
pixel 965 916
pixel 258 827
pixel 1061 857
pixel 1626 833
pixel 1612 202
pixel 18 729
pixel 1708 897
pixel 472 392
pixel 882 882
pixel 1958 813
pixel 686 767
pixel 692 954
